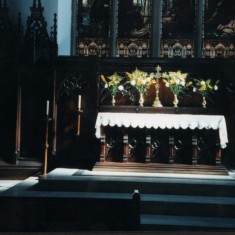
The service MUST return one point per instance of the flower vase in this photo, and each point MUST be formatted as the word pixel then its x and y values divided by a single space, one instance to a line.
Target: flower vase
pixel 157 102
pixel 141 99
pixel 113 100
pixel 204 102
pixel 175 101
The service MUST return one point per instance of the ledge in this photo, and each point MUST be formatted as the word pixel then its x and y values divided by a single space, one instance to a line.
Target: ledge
pixel 167 110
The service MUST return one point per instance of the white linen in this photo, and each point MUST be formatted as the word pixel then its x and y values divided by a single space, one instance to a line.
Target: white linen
pixel 163 121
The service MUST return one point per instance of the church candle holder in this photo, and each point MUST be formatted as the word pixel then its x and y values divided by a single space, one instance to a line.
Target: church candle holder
pixel 79 111
pixel 46 144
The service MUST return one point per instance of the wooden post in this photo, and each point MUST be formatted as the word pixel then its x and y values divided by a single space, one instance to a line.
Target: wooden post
pixel 218 157
pixel 194 150
pixel 218 150
pixel 171 149
pixel 103 149
pixel 148 149
pixel 125 147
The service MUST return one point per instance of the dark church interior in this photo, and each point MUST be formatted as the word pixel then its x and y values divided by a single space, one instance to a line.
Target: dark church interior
pixel 132 129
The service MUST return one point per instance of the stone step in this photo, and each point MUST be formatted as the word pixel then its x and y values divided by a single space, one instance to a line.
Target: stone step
pixel 6 184
pixel 19 171
pixel 188 205
pixel 48 210
pixel 90 181
pixel 167 203
pixel 168 222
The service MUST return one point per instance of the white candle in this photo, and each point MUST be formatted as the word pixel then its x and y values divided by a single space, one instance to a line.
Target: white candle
pixel 47 109
pixel 79 101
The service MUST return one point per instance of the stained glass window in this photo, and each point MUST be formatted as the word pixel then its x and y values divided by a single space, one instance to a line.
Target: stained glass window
pixel 178 27
pixel 188 28
pixel 134 25
pixel 219 29
pixel 93 22
pixel 219 19
pixel 134 18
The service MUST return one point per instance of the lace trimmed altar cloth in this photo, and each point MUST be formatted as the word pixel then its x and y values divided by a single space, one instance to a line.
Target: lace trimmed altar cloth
pixel 163 121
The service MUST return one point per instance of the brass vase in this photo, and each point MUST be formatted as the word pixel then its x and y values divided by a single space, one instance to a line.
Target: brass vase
pixel 141 100
pixel 204 102
pixel 113 100
pixel 175 101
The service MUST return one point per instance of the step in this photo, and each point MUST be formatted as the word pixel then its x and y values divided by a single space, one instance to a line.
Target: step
pixel 178 210
pixel 19 171
pixel 175 184
pixel 75 210
pixel 187 205
pixel 168 222
pixel 160 168
pixel 6 184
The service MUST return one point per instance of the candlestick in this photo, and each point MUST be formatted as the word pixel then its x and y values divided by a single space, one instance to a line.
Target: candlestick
pixel 47 108
pixel 157 102
pixel 46 141
pixel 79 102
pixel 78 127
pixel 79 120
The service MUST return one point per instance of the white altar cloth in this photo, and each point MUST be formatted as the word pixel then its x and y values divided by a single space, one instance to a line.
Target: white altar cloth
pixel 163 121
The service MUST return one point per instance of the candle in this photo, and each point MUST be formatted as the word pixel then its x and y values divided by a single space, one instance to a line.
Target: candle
pixel 79 102
pixel 47 108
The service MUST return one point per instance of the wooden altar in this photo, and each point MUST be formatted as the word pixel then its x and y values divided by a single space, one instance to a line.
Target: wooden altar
pixel 163 135
pixel 186 134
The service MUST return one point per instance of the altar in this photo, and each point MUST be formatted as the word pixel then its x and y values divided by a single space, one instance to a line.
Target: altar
pixel 152 126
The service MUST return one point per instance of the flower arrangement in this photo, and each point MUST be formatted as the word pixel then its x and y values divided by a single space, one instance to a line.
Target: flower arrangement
pixel 113 83
pixel 205 87
pixel 176 81
pixel 140 80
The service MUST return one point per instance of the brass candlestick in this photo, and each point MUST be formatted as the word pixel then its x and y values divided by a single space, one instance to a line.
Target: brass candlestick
pixel 46 145
pixel 79 113
pixel 157 102
pixel 79 120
